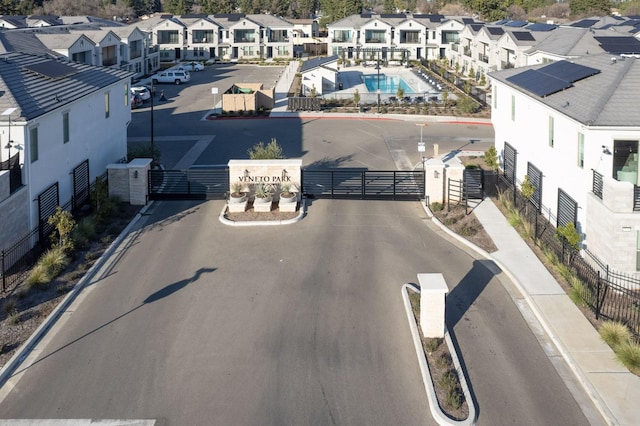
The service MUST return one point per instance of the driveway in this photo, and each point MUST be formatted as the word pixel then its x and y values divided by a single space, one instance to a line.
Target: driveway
pixel 193 322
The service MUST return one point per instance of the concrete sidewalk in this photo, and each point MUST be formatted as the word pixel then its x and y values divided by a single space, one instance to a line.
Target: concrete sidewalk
pixel 613 389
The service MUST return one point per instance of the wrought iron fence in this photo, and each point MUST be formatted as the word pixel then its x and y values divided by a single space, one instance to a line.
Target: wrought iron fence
pixel 17 259
pixel 610 294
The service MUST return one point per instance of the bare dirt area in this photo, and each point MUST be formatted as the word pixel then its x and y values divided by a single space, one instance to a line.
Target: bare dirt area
pixel 24 308
pixel 463 222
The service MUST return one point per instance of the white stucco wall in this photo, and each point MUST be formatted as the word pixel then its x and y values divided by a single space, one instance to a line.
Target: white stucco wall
pixel 91 136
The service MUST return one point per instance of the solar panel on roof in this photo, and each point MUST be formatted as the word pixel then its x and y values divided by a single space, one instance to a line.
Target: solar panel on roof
pixel 502 22
pixel 585 23
pixel 538 83
pixel 619 44
pixel 523 36
pixel 52 69
pixel 495 30
pixel 568 71
pixel 467 21
pixel 476 27
pixel 541 27
pixel 516 24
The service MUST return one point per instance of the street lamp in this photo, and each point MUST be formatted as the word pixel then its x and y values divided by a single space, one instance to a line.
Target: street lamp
pixel 153 94
pixel 421 147
pixel 378 91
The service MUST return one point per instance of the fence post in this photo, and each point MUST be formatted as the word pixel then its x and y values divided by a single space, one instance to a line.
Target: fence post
pixel 4 275
pixel 598 297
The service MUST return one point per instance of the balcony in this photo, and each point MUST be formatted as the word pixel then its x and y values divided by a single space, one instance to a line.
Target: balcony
pixel 454 47
pixel 340 40
pixel 278 39
pixel 506 64
pixel 466 51
pixel 619 197
pixel 483 58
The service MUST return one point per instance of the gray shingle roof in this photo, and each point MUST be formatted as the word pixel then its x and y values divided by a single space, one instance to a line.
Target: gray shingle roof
pixel 317 62
pixel 608 98
pixel 35 95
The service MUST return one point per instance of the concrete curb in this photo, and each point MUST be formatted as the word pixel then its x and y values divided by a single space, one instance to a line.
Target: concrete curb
pixel 579 375
pixel 444 119
pixel 22 353
pixel 436 411
pixel 302 212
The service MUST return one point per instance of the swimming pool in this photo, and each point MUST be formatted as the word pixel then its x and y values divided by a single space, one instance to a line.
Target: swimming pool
pixel 388 84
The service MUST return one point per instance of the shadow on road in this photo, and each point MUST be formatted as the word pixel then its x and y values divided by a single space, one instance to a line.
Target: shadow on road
pixel 467 291
pixel 166 291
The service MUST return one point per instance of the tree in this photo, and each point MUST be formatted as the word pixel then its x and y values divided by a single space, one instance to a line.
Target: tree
pixel 527 190
pixel 271 151
pixel 389 6
pixel 334 10
pixel 63 223
pixel 356 97
pixel 490 10
pixel 177 7
pixel 313 92
pixel 569 233
pixel 491 158
pixel 400 92
pixel 590 7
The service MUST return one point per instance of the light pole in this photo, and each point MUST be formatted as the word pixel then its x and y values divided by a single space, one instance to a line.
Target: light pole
pixel 421 147
pixel 153 94
pixel 378 91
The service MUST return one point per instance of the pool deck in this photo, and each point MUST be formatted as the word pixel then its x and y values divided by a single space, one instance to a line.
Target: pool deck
pixel 351 79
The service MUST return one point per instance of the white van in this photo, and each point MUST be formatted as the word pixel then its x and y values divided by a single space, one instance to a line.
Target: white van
pixel 171 76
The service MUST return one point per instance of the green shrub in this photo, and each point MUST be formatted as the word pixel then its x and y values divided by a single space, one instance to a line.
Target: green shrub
pixel 444 361
pixel 614 333
pixel 514 218
pixel 436 206
pixel 432 344
pixel 54 261
pixel 84 232
pixel 38 277
pixel 10 306
pixel 13 319
pixel 271 151
pixel 454 398
pixel 628 354
pixel 468 231
pixel 63 224
pixel 449 380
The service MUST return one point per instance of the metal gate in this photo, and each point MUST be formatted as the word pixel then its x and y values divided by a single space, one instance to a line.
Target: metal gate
pixel 363 184
pixel 80 186
pixel 567 209
pixel 473 184
pixel 48 201
pixel 198 183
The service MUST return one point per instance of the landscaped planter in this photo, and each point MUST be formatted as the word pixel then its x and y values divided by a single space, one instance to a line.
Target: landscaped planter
pixel 237 204
pixel 262 204
pixel 288 202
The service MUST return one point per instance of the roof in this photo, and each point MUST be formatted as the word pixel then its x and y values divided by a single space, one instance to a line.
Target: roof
pixel 606 98
pixel 317 62
pixel 34 94
pixel 569 42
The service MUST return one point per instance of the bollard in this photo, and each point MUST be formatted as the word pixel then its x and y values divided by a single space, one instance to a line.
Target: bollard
pixel 433 289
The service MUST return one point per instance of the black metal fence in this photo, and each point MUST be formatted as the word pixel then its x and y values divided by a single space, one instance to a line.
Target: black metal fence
pixel 15 171
pixel 609 294
pixel 465 86
pixel 17 260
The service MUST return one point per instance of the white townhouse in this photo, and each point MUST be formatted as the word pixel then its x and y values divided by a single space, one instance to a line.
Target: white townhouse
pixel 76 47
pixel 417 36
pixel 573 127
pixel 168 33
pixel 203 37
pixel 62 123
pixel 133 43
pixel 106 46
pixel 276 36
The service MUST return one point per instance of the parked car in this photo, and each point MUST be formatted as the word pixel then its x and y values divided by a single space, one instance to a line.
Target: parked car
pixel 191 66
pixel 142 91
pixel 136 101
pixel 171 76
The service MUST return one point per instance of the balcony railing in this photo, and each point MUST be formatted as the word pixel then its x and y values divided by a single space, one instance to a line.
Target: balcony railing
pixel 454 47
pixel 506 64
pixel 597 189
pixel 278 39
pixel 466 51
pixel 483 58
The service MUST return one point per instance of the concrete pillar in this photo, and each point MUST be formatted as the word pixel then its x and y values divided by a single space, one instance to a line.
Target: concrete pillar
pixel 118 176
pixel 139 181
pixel 433 290
pixel 434 180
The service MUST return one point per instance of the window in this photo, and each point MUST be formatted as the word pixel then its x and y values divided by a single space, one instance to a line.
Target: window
pixel 65 127
pixel 109 56
pixel 581 150
pixel 106 105
pixel 33 144
pixel 168 37
pixel 126 95
pixel 513 108
pixel 551 132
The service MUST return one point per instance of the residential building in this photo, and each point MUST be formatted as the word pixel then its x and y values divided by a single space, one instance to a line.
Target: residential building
pixel 319 75
pixel 573 127
pixel 64 122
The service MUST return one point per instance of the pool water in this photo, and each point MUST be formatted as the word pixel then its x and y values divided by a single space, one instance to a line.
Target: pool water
pixel 388 84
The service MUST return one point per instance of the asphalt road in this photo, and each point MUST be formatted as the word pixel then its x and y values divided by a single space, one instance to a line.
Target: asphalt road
pixel 197 323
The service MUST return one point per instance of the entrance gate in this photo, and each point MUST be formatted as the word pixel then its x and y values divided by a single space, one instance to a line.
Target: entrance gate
pixel 363 184
pixel 198 183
